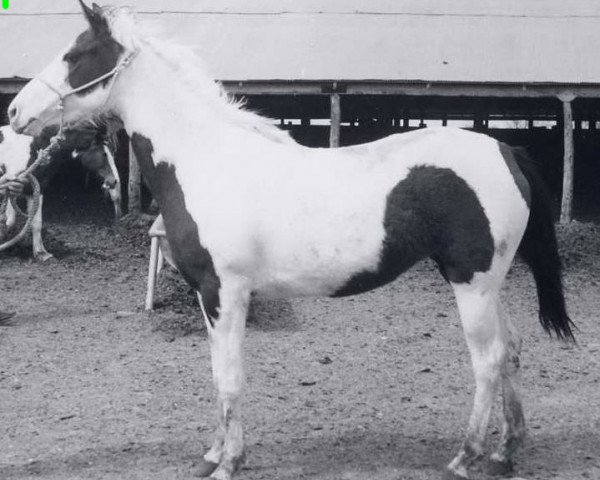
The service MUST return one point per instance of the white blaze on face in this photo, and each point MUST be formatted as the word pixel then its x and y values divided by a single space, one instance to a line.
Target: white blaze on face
pixel 111 162
pixel 37 105
pixel 114 191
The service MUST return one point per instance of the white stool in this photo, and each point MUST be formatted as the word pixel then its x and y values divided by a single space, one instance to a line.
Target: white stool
pixel 158 237
pixel 160 250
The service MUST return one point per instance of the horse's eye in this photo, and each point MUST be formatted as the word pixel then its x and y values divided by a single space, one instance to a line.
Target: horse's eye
pixel 72 57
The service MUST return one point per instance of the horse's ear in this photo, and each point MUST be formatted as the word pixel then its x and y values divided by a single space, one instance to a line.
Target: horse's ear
pixel 87 11
pixel 94 16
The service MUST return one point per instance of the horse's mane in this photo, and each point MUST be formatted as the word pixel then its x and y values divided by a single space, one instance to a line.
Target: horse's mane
pixel 190 69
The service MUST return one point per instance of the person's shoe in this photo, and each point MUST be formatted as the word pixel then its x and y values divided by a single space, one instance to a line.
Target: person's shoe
pixel 5 316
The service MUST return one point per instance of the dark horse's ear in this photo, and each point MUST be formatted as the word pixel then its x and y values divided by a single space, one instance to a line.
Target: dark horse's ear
pixel 87 11
pixel 95 17
pixel 97 9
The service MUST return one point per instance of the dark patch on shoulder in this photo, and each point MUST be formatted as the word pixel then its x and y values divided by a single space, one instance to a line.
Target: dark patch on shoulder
pixel 1 136
pixel 431 213
pixel 94 53
pixel 192 259
pixel 509 153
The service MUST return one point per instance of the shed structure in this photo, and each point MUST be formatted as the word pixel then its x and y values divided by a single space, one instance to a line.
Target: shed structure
pixel 359 69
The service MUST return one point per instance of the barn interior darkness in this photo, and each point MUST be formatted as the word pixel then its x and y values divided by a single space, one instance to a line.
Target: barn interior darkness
pixel 534 123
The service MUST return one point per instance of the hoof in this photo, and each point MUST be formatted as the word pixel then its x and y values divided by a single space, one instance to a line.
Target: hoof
pixel 227 469
pixel 448 474
pixel 221 474
pixel 43 257
pixel 205 469
pixel 499 467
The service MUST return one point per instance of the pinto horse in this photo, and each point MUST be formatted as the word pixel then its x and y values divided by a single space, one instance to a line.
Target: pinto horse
pixel 17 152
pixel 252 211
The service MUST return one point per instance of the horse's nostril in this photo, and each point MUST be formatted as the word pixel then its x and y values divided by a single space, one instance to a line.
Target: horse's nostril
pixel 12 113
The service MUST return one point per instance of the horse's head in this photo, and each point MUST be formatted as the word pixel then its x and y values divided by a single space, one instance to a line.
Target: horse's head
pixel 75 86
pixel 95 159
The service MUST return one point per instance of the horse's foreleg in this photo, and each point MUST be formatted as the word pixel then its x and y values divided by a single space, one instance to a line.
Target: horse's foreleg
pixel 513 426
pixel 226 334
pixel 486 339
pixel 39 250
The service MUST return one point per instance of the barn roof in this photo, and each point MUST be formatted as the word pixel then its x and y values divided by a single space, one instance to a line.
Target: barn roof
pixel 487 41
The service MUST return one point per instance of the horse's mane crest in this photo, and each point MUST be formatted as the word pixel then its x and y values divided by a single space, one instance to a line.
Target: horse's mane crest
pixel 183 60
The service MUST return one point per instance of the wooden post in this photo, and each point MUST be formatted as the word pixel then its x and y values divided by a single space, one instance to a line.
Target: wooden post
pixel 134 188
pixel 336 118
pixel 478 121
pixel 405 120
pixel 152 273
pixel 566 207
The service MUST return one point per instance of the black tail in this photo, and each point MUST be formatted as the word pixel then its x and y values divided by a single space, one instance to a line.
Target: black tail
pixel 540 251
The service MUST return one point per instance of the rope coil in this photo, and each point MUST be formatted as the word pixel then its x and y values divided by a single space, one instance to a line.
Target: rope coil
pixel 44 156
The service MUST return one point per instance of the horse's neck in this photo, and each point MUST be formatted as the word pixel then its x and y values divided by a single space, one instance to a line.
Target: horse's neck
pixel 152 100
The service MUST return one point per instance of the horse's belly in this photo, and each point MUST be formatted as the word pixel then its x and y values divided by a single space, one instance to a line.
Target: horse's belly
pixel 318 270
pixel 312 243
pixel 296 284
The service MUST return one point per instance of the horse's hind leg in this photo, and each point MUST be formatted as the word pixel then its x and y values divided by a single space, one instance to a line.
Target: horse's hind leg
pixel 513 426
pixel 487 341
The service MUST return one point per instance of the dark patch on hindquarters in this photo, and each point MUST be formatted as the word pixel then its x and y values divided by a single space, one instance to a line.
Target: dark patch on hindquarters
pixel 431 213
pixel 191 258
pixel 508 153
pixel 94 53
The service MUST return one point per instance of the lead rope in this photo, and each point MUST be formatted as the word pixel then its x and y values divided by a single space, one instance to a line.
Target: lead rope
pixel 43 156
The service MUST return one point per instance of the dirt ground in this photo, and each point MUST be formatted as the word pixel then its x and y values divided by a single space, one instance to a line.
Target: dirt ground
pixel 377 386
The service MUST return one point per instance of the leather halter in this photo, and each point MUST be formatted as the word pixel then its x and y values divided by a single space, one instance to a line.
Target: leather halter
pixel 112 74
